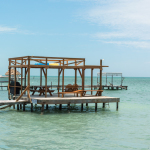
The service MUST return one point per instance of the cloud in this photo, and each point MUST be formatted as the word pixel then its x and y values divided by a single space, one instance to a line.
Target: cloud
pixel 7 29
pixel 124 19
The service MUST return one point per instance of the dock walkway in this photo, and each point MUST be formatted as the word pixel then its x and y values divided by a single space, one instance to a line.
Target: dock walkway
pixel 68 99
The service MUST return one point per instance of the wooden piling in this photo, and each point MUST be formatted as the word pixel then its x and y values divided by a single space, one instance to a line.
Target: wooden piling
pixel 103 105
pixel 46 106
pixel 24 107
pixel 81 106
pixel 20 106
pixel 42 109
pixel 86 104
pixel 17 106
pixel 31 107
pixel 117 106
pixel 60 106
pixel 95 107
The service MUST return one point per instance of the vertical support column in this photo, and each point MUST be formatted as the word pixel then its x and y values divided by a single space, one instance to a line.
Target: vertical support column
pixel 31 107
pixel 60 106
pixel 17 106
pixel 63 77
pixel 103 105
pixel 9 78
pixel 25 78
pixel 95 107
pixel 42 109
pixel 47 106
pixel 29 76
pixel 100 76
pixel 117 105
pixel 112 80
pixel 23 106
pixel 46 80
pixel 58 80
pixel 81 106
pixel 15 81
pixel 20 106
pixel 106 78
pixel 83 79
pixel 75 76
pixel 40 76
pixel 21 73
pixel 91 80
pixel 14 104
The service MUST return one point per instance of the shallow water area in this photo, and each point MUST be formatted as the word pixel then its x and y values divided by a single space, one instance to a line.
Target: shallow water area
pixel 107 128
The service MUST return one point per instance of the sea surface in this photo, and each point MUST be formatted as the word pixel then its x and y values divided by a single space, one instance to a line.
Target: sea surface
pixel 127 128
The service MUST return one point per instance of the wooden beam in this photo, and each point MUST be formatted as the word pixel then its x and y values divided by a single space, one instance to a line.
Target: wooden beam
pixel 80 72
pixel 45 80
pixel 22 93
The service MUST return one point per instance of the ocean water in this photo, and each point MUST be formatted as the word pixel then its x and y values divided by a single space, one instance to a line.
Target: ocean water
pixel 127 128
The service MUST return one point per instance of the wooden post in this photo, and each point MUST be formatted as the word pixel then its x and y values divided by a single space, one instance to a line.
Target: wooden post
pixel 75 76
pixel 86 104
pixel 9 78
pixel 95 107
pixel 91 80
pixel 63 78
pixel 46 80
pixel 25 77
pixel 101 75
pixel 31 107
pixel 81 106
pixel 17 106
pixel 42 109
pixel 40 76
pixel 69 106
pixel 60 106
pixel 14 104
pixel 21 73
pixel 58 80
pixel 103 105
pixel 20 106
pixel 117 105
pixel 47 106
pixel 82 79
pixel 23 106
pixel 15 81
pixel 29 77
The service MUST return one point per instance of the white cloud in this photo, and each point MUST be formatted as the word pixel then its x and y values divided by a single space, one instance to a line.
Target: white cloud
pixel 125 19
pixel 7 29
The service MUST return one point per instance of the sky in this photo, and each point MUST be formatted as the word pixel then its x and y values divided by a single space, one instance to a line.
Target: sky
pixel 117 31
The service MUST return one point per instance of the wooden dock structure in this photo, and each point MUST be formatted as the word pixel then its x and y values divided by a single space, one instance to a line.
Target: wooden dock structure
pixel 69 99
pixel 47 95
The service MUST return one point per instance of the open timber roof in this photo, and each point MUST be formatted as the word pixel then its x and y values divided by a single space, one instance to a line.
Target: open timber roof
pixel 59 62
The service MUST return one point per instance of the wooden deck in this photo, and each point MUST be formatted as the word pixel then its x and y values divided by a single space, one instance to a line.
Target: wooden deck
pixel 68 99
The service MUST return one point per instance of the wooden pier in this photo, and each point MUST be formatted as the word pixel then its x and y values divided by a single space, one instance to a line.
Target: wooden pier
pixel 69 99
pixel 43 94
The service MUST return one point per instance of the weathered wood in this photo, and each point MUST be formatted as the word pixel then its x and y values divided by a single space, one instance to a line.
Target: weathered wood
pixel 5 106
pixel 47 106
pixel 60 106
pixel 81 106
pixel 23 93
pixel 117 105
pixel 86 104
pixel 23 106
pixel 31 107
pixel 95 107
pixel 17 106
pixel 103 105
pixel 42 109
pixel 20 106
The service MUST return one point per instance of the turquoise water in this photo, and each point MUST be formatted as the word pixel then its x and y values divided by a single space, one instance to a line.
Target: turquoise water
pixel 127 128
